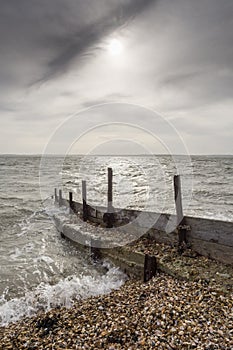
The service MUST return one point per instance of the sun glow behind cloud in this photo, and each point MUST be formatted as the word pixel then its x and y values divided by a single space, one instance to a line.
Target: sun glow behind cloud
pixel 115 47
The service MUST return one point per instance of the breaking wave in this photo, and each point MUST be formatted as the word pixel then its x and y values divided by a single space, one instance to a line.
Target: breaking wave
pixel 64 293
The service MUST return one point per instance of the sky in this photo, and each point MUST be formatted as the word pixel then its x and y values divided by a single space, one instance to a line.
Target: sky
pixel 133 76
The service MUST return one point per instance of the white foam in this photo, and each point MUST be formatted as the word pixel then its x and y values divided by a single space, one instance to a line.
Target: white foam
pixel 64 293
pixel 44 258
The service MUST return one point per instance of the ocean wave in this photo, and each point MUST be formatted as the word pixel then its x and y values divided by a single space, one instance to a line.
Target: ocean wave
pixel 64 293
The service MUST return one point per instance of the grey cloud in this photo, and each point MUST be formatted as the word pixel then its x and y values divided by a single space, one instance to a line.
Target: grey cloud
pixel 199 88
pixel 107 99
pixel 178 58
pixel 85 37
pixel 44 37
pixel 196 52
pixel 181 77
pixel 6 108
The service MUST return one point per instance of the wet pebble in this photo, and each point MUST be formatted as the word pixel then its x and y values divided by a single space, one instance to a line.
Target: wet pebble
pixel 188 265
pixel 164 313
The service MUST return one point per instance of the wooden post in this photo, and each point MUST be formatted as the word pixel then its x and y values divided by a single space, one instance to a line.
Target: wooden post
pixel 109 217
pixel 179 214
pixel 110 190
pixel 150 267
pixel 178 199
pixel 95 252
pixel 60 198
pixel 84 197
pixel 71 202
pixel 55 196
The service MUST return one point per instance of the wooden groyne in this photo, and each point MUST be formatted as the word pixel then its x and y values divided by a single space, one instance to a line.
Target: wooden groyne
pixel 207 237
pixel 98 246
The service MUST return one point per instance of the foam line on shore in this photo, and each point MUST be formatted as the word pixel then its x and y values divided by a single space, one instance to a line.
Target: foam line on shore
pixel 64 293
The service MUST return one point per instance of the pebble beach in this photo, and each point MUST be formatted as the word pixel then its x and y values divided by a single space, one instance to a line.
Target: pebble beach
pixel 164 313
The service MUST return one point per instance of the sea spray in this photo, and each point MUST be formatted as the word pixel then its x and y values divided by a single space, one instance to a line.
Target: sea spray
pixel 64 293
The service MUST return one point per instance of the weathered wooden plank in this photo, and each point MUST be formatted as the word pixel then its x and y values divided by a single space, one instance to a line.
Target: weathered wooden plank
pixel 163 237
pixel 165 222
pixel 204 229
pixel 147 219
pixel 214 231
pixel 78 208
pixel 215 251
pixel 99 215
pixel 91 212
pixel 132 269
pixel 208 237
pixel 126 213
pixel 132 263
pixel 201 228
pixel 95 220
pixel 125 254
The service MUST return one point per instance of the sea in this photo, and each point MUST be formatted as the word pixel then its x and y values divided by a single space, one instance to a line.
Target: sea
pixel 39 269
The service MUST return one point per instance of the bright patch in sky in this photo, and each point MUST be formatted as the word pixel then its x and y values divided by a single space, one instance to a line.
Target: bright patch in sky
pixel 115 47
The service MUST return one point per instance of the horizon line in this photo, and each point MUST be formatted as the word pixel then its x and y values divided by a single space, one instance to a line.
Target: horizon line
pixel 116 155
